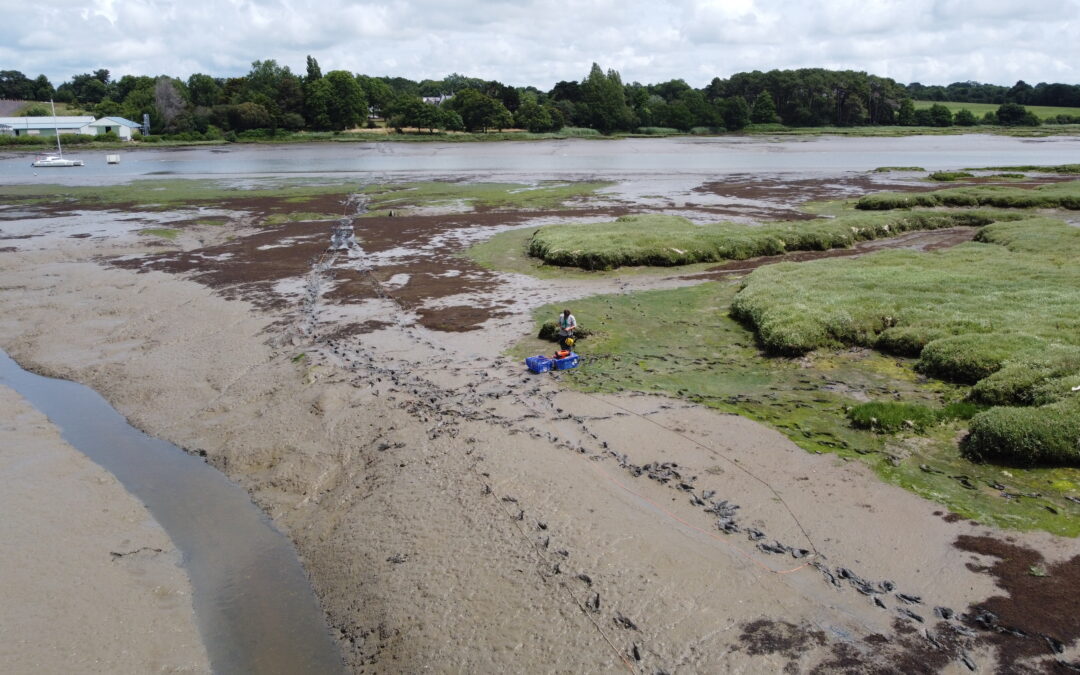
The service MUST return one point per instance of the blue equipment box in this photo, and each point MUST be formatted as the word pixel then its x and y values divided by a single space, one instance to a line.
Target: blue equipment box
pixel 539 363
pixel 566 363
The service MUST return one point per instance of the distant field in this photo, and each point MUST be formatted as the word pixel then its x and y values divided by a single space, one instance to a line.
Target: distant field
pixel 61 108
pixel 980 109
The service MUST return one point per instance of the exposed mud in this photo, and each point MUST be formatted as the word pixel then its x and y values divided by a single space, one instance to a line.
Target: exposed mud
pixel 785 194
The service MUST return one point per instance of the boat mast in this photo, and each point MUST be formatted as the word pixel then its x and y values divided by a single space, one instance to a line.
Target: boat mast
pixel 56 129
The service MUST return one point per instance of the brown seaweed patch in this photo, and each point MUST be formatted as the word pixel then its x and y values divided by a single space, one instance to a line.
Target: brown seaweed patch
pixel 768 636
pixel 1040 601
pixel 458 319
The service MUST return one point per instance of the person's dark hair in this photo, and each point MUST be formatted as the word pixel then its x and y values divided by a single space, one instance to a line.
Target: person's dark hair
pixel 565 312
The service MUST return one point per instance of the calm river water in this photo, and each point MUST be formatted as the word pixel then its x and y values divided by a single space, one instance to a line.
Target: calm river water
pixel 253 603
pixel 820 155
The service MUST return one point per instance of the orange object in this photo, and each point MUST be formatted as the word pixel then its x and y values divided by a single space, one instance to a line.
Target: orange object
pixel 562 353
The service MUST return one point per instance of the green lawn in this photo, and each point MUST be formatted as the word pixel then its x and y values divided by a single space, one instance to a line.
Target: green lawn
pixel 980 109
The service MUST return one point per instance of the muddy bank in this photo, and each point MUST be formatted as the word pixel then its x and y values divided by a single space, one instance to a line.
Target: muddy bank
pixel 67 521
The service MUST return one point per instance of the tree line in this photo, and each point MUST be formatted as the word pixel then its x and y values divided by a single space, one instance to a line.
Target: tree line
pixel 1053 94
pixel 271 98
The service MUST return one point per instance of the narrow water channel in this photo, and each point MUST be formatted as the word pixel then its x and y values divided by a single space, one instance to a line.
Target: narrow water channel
pixel 253 603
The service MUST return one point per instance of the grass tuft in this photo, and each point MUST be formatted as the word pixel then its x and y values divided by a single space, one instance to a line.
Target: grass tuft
pixel 891 416
pixel 164 233
pixel 946 176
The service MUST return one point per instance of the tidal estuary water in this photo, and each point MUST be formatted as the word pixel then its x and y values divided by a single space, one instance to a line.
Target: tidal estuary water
pixel 570 158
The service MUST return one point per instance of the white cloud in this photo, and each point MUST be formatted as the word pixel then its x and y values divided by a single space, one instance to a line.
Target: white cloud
pixel 540 42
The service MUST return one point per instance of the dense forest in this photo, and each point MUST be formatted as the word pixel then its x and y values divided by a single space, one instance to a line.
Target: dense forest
pixel 271 98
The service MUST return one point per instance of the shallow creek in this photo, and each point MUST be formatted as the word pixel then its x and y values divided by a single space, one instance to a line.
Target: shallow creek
pixel 253 603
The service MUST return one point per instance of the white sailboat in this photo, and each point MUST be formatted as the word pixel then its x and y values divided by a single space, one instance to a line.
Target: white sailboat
pixel 58 158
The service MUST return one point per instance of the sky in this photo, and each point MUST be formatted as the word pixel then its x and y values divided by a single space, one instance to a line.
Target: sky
pixel 540 42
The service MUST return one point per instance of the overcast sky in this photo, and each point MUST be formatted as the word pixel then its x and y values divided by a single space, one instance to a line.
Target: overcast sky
pixel 539 42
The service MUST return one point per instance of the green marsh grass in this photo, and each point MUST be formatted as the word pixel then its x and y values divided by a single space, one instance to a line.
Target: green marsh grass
pixel 164 233
pixel 1050 196
pixel 684 343
pixel 948 176
pixel 1064 169
pixel 664 241
pixel 1002 314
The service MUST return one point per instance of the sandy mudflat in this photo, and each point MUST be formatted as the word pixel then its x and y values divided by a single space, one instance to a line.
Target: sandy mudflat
pixel 90 582
pixel 457 514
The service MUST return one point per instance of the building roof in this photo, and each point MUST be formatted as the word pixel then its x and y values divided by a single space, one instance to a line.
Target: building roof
pixel 48 122
pixel 115 121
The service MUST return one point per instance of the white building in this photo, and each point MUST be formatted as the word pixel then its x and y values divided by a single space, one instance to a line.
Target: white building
pixel 117 125
pixel 82 124
pixel 48 126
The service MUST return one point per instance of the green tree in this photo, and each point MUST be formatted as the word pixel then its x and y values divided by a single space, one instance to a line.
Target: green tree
pixel 940 116
pixel 451 120
pixel 558 121
pixel 410 111
pixel 347 107
pixel 533 117
pixel 249 115
pixel 736 113
pixel 313 70
pixel 43 89
pixel 1014 115
pixel 317 96
pixel 107 108
pixel 905 117
pixel 15 85
pixel 604 100
pixel 203 89
pixel 479 112
pixel 378 93
pixel 1020 93
pixel 764 111
pixel 965 118
pixel 140 101
pixel 678 116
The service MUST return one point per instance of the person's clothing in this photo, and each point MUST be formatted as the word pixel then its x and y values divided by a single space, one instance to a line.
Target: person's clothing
pixel 567 324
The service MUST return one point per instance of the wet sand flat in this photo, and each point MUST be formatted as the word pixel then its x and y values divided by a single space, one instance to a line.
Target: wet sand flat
pixel 90 581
